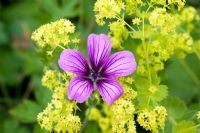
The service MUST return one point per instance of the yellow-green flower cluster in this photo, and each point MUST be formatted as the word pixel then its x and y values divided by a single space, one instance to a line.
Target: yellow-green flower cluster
pixel 118 118
pixel 118 33
pixel 160 2
pixel 157 54
pixel 163 21
pixel 107 9
pixel 132 5
pixel 189 14
pixel 55 33
pixel 58 114
pixel 51 78
pixel 179 3
pixel 162 49
pixel 122 118
pixel 129 93
pixel 126 80
pixel 183 44
pixel 152 120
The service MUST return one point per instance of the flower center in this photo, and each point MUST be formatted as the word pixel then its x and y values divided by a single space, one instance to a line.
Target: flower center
pixel 94 76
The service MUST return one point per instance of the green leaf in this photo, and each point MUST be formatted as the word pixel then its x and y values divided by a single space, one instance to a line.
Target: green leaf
pixel 38 129
pixel 9 70
pixel 13 126
pixel 184 127
pixel 175 107
pixel 161 93
pixel 26 112
pixel 91 127
pixel 60 9
pixel 31 63
pixel 145 96
pixel 142 84
pixel 3 35
pixel 179 81
pixel 191 113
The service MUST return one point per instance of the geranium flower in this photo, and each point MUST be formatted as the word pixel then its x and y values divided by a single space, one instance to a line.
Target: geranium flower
pixel 102 70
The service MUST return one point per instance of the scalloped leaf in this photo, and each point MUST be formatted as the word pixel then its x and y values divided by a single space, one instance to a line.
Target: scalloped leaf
pixel 184 127
pixel 147 98
pixel 26 112
pixel 176 108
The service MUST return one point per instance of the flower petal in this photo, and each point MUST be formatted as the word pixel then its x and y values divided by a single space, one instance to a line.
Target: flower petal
pixel 73 61
pixel 119 64
pixel 110 90
pixel 99 47
pixel 80 89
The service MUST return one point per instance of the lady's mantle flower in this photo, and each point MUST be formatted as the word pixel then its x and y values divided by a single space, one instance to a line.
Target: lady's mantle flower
pixel 101 71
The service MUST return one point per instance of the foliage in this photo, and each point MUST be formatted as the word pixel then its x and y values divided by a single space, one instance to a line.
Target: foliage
pixel 162 96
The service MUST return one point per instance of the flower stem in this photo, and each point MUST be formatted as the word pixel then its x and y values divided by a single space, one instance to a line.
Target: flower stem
pixel 145 47
pixel 198 125
pixel 120 19
pixel 86 119
pixel 91 103
pixel 5 92
pixel 61 46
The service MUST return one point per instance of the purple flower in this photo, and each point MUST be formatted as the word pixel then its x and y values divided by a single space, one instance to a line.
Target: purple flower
pixel 102 70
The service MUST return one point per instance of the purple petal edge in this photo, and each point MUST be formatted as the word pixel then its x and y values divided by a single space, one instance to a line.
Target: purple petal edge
pixel 99 47
pixel 119 64
pixel 73 61
pixel 110 90
pixel 79 89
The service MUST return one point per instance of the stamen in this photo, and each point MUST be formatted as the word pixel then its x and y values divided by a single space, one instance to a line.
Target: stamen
pixel 94 76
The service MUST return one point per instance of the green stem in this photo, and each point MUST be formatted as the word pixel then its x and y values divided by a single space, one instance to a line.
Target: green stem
pixel 198 125
pixel 120 19
pixel 86 120
pixel 61 46
pixel 150 6
pixel 28 91
pixel 91 105
pixel 190 73
pixel 145 47
pixel 5 92
pixel 196 52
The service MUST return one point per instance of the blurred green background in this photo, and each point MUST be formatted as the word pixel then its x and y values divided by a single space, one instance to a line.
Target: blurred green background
pixel 21 95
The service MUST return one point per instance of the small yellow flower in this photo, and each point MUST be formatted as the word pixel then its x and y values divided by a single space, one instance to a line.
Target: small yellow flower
pixel 50 53
pixel 136 21
pixel 152 89
pixel 76 40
